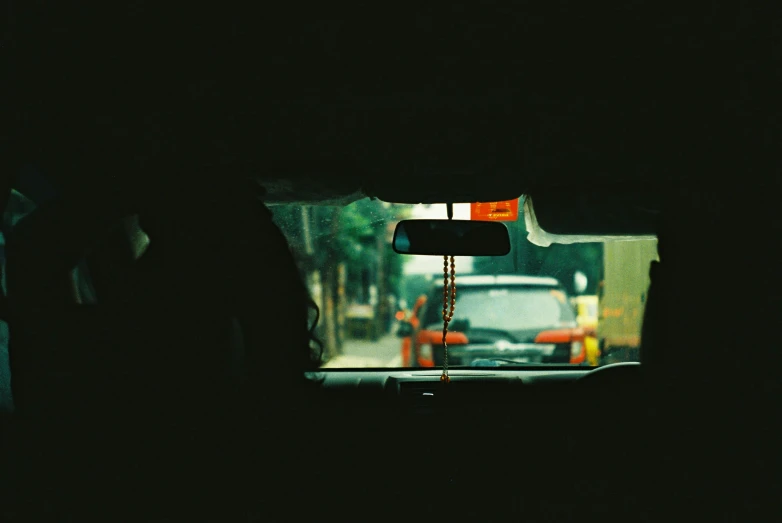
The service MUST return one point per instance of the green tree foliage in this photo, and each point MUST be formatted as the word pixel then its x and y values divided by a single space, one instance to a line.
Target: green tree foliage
pixel 356 236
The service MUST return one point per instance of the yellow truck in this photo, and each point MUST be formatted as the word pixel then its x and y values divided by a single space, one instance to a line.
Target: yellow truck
pixel 622 297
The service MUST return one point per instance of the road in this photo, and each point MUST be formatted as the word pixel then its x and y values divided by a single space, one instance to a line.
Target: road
pixel 385 352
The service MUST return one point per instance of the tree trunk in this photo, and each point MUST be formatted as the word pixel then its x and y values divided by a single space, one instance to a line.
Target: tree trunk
pixel 382 302
pixel 341 303
pixel 331 284
pixel 329 314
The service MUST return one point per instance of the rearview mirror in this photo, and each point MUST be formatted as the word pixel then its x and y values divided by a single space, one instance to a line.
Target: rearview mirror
pixel 451 237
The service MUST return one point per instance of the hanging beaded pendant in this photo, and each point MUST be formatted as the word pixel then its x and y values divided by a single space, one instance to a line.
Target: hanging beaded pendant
pixel 449 294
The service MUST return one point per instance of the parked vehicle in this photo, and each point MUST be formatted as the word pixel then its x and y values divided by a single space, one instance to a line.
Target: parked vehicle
pixel 407 326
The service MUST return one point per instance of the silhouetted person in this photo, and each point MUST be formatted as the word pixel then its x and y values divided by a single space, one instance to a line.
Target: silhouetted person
pixel 710 350
pixel 194 380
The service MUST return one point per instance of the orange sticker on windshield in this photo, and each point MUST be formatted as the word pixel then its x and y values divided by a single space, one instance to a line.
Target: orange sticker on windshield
pixel 505 211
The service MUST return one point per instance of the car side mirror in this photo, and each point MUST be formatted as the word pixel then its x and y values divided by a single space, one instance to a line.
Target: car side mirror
pixel 405 329
pixel 580 282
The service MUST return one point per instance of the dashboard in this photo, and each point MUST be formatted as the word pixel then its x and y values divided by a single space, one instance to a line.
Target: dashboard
pixel 399 380
pixel 536 387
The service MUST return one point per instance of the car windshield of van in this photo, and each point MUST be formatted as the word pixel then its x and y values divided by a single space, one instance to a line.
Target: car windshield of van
pixel 507 308
pixel 380 309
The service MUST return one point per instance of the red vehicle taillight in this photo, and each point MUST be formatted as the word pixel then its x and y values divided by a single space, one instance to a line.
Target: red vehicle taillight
pixel 429 341
pixel 574 337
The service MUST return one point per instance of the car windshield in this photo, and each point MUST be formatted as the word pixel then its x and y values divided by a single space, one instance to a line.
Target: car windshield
pixel 383 309
pixel 508 308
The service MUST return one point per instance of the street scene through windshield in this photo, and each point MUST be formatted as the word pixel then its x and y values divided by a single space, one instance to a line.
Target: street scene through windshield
pixel 565 304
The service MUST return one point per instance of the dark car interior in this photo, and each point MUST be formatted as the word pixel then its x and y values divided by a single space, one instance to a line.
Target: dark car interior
pixel 161 360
